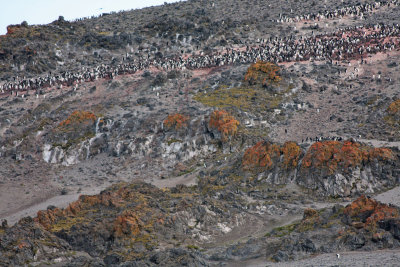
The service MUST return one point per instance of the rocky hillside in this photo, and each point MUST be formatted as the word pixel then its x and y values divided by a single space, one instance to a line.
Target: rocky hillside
pixel 139 224
pixel 165 30
pixel 159 136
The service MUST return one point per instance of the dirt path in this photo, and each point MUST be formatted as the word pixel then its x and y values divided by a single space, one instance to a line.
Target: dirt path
pixel 61 201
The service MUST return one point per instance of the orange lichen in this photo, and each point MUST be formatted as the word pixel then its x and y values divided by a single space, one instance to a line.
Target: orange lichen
pixel 23 245
pixel 78 117
pixel 382 212
pixel 322 153
pixel 50 216
pixel 362 207
pixel 47 217
pixel 291 154
pixel 175 121
pixel 394 108
pixel 309 213
pixel 226 124
pixel 12 29
pixel 263 154
pixel 310 219
pixel 334 154
pixel 370 211
pixel 128 223
pixel 265 71
pixel 381 153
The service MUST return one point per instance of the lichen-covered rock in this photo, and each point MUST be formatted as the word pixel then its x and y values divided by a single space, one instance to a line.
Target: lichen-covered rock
pixel 278 163
pixel 82 136
pixel 175 121
pixel 133 220
pixel 370 212
pixel 263 155
pixel 345 168
pixel 394 108
pixel 78 125
pixel 266 155
pixel 331 156
pixel 264 72
pixel 28 241
pixel 329 167
pixel 327 231
pixel 223 125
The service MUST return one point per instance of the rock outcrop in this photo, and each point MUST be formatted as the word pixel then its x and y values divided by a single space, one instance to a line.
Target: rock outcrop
pixel 346 168
pixel 365 224
pixel 334 168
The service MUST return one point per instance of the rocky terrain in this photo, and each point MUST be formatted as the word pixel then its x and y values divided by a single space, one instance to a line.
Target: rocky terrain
pixel 241 164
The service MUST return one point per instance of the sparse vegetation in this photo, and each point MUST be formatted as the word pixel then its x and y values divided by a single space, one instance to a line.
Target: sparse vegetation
pixel 173 140
pixel 193 247
pixel 175 121
pixel 282 230
pixel 77 117
pixel 393 115
pixel 246 98
pixel 265 73
pixel 394 108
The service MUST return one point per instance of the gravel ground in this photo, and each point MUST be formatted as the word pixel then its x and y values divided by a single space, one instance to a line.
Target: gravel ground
pixel 391 196
pixel 367 258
